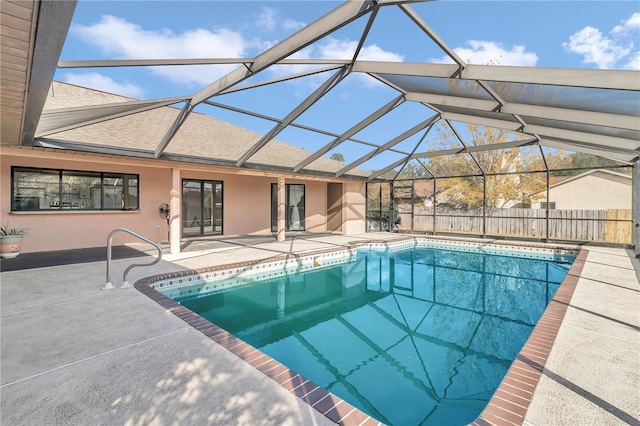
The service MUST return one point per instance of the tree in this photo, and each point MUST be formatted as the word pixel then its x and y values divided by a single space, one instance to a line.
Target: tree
pixel 413 170
pixel 579 160
pixel 459 177
pixel 337 156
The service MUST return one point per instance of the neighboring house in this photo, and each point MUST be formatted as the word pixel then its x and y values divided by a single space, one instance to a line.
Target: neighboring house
pixel 422 194
pixel 599 189
pixel 84 180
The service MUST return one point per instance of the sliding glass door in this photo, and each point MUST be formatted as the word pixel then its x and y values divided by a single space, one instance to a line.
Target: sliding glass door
pixel 201 207
pixel 294 210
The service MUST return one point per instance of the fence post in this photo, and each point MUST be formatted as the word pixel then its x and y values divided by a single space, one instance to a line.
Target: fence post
pixel 547 209
pixel 413 202
pixel 484 205
pixel 435 182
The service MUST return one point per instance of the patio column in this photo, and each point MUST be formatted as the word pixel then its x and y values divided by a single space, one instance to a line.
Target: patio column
pixel 175 208
pixel 281 210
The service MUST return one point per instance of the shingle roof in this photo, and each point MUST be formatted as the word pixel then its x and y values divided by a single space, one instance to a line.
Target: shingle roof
pixel 200 137
pixel 607 174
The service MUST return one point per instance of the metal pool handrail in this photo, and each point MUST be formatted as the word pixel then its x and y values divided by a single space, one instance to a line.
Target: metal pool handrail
pixel 125 283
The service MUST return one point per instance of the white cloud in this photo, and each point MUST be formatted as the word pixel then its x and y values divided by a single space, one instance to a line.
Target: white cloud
pixel 345 49
pixel 617 50
pixel 332 48
pixel 595 47
pixel 631 25
pixel 267 19
pixel 633 63
pixel 127 40
pixel 481 52
pixel 106 84
pixel 117 38
pixel 292 24
pixel 124 40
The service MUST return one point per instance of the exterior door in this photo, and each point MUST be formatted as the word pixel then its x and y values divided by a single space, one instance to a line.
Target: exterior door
pixel 378 206
pixel 201 207
pixel 295 207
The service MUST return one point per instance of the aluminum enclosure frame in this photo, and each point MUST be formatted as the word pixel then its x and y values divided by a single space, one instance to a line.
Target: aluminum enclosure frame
pixel 608 129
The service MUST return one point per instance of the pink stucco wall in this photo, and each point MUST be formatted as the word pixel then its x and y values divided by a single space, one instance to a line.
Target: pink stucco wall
pixel 74 229
pixel 354 208
pixel 246 201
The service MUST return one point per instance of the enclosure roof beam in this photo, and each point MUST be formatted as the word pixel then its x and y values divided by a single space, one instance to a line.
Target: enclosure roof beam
pixel 619 121
pixel 399 2
pixel 415 129
pixel 626 156
pixel 177 123
pixel 583 137
pixel 123 63
pixel 52 25
pixel 432 34
pixel 544 159
pixel 568 77
pixel 453 101
pixel 415 148
pixel 476 148
pixel 405 160
pixel 338 17
pixel 582 110
pixel 296 125
pixel 306 104
pixel 542 112
pixel 547 131
pixel 406 68
pixel 280 79
pixel 392 166
pixel 513 126
pixel 466 148
pixel 335 19
pixel 349 133
pixel 92 149
pixel 59 120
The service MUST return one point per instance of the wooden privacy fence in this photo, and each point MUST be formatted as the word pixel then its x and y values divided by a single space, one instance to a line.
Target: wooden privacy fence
pixel 619 226
pixel 611 226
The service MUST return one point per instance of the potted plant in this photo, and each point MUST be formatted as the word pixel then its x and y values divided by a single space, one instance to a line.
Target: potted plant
pixel 11 240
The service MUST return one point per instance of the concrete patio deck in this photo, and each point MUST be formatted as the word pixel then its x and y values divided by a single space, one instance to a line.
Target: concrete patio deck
pixel 72 353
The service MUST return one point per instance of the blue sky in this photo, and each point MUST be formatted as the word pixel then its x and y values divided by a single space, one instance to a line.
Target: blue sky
pixel 567 34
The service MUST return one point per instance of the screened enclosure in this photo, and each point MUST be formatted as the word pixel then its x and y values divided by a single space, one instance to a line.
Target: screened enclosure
pixel 485 190
pixel 445 145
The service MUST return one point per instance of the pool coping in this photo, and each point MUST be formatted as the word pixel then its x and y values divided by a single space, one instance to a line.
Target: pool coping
pixel 510 402
pixel 507 406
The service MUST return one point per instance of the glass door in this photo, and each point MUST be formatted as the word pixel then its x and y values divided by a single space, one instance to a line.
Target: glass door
pixel 294 210
pixel 201 207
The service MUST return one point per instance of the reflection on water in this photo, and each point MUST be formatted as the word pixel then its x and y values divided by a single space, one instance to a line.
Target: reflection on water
pixel 416 337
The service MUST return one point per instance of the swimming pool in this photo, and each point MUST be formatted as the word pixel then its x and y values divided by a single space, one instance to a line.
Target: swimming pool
pixel 410 337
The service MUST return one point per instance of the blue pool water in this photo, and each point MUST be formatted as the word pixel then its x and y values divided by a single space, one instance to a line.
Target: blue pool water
pixel 416 337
